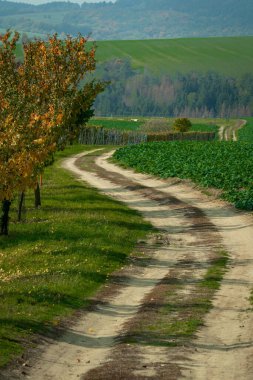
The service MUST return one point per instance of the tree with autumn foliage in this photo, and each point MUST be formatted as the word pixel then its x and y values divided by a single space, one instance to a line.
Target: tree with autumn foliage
pixel 182 124
pixel 42 101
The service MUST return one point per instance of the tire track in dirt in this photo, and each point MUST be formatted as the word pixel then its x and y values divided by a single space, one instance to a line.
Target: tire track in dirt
pixel 224 347
pixel 193 225
pixel 196 238
pixel 88 344
pixel 230 133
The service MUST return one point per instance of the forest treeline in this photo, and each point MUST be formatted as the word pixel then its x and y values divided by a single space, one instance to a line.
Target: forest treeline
pixel 135 92
pixel 131 19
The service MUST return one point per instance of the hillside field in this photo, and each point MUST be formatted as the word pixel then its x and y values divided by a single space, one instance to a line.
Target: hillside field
pixel 226 55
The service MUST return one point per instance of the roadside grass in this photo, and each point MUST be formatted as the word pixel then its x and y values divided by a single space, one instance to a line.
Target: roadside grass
pixel 54 261
pixel 180 312
pixel 246 133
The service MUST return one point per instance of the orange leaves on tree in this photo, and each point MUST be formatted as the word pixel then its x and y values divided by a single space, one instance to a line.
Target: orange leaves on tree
pixel 42 102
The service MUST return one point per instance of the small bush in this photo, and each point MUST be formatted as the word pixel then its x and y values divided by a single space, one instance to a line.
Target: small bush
pixel 182 124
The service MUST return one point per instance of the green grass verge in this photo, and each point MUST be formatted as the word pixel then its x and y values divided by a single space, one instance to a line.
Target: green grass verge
pixel 246 133
pixel 59 257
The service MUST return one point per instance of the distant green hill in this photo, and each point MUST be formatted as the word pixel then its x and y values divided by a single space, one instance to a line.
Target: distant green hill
pixel 232 56
pixel 132 19
pixel 216 77
pixel 225 55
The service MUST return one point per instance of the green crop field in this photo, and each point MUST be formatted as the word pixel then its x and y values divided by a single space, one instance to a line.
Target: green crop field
pixel 115 123
pixel 224 165
pixel 226 55
pixel 139 123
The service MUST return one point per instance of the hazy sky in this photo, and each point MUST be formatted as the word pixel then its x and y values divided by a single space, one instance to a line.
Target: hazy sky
pixel 50 1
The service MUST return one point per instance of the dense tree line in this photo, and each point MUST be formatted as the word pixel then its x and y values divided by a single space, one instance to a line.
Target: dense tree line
pixel 131 19
pixel 210 94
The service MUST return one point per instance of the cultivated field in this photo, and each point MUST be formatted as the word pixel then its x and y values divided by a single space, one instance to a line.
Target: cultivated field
pixel 182 55
pixel 149 124
pixel 222 165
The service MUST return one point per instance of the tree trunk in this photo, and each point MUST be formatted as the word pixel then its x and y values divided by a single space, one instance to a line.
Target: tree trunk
pixel 37 198
pixel 5 217
pixel 21 205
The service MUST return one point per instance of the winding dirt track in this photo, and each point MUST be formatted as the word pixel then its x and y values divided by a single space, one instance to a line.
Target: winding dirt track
pixel 195 225
pixel 230 133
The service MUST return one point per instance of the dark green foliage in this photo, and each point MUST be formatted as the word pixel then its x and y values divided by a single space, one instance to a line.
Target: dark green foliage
pixel 131 19
pixel 193 94
pixel 224 165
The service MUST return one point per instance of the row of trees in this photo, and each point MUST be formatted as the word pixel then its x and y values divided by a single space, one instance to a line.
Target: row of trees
pixel 41 107
pixel 193 95
pixel 131 19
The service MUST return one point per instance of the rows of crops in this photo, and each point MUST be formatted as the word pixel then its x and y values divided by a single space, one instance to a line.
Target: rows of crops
pixel 223 165
pixel 183 55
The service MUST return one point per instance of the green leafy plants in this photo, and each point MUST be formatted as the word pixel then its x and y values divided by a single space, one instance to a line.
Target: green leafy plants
pixel 223 165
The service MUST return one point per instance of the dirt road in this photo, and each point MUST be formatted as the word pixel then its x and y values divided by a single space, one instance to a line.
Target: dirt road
pixel 230 133
pixel 192 227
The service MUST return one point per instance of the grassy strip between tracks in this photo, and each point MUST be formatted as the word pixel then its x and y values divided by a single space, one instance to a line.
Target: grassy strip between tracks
pixel 56 259
pixel 175 311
